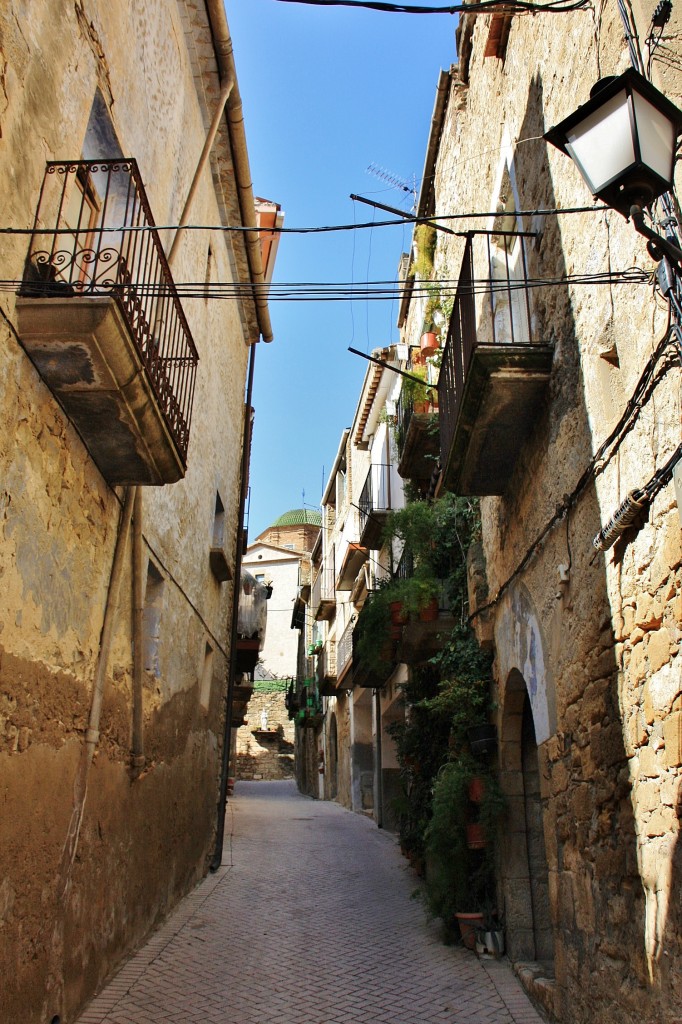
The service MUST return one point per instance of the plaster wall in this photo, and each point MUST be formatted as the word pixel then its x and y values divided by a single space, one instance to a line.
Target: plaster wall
pixel 144 841
pixel 599 657
pixel 280 568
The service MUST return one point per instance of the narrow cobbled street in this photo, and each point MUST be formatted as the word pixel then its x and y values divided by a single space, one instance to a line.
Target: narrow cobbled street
pixel 309 921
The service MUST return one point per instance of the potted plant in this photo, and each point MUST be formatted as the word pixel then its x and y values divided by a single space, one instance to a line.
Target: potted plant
pixel 417 393
pixel 490 933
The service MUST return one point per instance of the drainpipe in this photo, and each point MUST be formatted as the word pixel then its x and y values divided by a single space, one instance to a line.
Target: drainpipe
pixel 225 91
pixel 92 732
pixel 231 673
pixel 222 44
pixel 137 758
pixel 380 782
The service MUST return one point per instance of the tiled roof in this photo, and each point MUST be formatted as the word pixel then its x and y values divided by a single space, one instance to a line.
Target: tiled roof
pixel 299 517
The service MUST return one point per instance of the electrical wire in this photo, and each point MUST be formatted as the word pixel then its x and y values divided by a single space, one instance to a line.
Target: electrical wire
pixel 506 6
pixel 349 291
pixel 321 229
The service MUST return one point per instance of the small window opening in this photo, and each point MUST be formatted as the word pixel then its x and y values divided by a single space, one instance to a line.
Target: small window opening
pixel 209 270
pixel 151 619
pixel 218 523
pixel 206 678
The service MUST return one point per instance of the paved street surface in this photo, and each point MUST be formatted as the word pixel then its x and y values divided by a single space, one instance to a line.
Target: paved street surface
pixel 309 921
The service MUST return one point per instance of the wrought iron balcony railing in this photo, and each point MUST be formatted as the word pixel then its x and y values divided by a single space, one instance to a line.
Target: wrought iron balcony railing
pixel 344 649
pixel 93 237
pixel 323 597
pixel 374 504
pixel 490 344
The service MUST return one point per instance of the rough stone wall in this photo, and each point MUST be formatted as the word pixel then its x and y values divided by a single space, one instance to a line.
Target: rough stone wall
pixel 143 841
pixel 599 657
pixel 309 756
pixel 269 753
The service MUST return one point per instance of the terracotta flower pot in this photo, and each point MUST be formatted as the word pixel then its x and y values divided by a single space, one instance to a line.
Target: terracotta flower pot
pixel 430 611
pixel 468 925
pixel 476 838
pixel 398 613
pixel 429 343
pixel 476 789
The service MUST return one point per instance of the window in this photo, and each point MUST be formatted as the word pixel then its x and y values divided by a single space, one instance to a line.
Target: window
pixel 206 679
pixel 151 619
pixel 507 263
pixel 218 523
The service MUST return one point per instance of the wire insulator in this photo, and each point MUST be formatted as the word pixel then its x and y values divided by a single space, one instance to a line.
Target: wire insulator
pixel 624 516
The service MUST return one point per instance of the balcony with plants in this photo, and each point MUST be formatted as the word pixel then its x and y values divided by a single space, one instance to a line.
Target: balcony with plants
pixel 309 713
pixel 325 672
pixel 99 316
pixel 494 371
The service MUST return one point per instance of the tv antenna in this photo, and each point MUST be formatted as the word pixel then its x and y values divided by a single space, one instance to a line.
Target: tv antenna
pixel 395 181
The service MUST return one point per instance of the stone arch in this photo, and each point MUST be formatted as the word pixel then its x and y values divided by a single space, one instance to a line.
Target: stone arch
pixel 520 646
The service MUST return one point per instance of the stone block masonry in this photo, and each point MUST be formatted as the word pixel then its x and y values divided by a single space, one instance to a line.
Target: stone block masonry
pixel 265 744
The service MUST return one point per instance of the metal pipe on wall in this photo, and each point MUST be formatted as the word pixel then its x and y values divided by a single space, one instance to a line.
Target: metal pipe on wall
pixel 235 118
pixel 203 160
pixel 227 732
pixel 92 732
pixel 380 786
pixel 137 758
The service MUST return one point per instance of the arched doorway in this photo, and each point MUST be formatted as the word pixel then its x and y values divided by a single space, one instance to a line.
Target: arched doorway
pixel 524 868
pixel 535 839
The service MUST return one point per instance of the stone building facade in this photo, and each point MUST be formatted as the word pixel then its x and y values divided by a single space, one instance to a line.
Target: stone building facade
pixel 265 744
pixel 110 763
pixel 280 559
pixel 347 753
pixel 586 642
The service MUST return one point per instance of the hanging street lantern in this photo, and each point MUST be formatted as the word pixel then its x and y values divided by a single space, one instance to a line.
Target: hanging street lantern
pixel 622 141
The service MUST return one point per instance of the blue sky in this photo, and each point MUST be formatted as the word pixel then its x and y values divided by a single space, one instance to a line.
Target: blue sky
pixel 326 93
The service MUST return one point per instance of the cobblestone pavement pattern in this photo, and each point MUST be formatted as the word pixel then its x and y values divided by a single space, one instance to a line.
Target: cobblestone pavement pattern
pixel 309 921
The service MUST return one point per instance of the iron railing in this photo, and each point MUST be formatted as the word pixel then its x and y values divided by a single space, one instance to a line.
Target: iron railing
pixel 323 589
pixel 344 648
pixel 491 307
pixel 376 493
pixel 404 411
pixel 94 235
pixel 326 662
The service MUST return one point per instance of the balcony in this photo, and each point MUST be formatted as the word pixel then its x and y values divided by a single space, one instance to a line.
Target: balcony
pixel 354 557
pixel 417 439
pixel 374 504
pixel 304 575
pixel 344 657
pixel 423 633
pixel 326 670
pixel 323 600
pixel 493 375
pixel 373 666
pixel 100 318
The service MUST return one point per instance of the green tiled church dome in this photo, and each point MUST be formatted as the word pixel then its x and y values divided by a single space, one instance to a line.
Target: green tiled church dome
pixel 299 517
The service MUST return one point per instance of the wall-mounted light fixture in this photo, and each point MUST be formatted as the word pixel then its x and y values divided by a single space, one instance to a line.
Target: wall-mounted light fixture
pixel 622 141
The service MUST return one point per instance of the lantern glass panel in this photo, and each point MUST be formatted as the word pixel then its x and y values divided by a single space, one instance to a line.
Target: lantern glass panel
pixel 602 144
pixel 656 137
